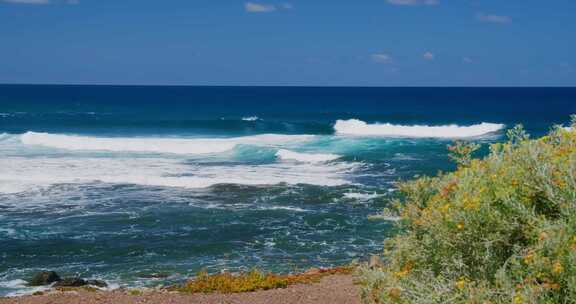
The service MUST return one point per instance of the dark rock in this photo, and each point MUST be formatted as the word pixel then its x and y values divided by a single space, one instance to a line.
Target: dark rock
pixel 44 278
pixel 71 282
pixel 97 283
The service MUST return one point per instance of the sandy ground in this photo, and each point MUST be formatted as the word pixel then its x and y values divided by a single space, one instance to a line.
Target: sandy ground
pixel 335 289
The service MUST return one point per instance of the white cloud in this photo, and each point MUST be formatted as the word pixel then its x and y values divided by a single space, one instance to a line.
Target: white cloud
pixel 414 2
pixel 28 1
pixel 252 7
pixel 381 58
pixel 428 56
pixel 259 8
pixel 493 18
pixel 467 60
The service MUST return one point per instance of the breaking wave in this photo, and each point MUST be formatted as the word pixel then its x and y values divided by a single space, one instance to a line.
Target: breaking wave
pixel 361 128
pixel 156 145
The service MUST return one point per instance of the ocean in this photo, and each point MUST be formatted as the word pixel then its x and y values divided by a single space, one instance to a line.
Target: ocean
pixel 144 186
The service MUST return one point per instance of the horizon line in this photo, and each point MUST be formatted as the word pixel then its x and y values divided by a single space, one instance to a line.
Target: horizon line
pixel 275 86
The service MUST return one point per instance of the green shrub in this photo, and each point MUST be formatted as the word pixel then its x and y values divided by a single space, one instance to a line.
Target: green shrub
pixel 497 230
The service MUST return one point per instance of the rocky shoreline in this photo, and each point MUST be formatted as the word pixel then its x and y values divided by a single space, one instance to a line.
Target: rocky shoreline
pixel 330 288
pixel 53 279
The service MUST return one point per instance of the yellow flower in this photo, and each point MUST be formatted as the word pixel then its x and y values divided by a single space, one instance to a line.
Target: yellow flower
pixel 445 208
pixel 460 226
pixel 517 299
pixel 557 268
pixel 529 258
pixel 460 284
pixel 405 271
pixel 471 203
pixel 401 273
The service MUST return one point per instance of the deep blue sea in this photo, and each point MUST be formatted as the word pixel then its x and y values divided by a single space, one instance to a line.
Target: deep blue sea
pixel 128 184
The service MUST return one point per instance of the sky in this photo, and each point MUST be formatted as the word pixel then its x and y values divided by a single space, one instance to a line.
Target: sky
pixel 289 42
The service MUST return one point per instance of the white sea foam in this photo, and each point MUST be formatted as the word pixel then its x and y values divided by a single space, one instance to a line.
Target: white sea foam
pixel 250 118
pixel 286 208
pixel 361 128
pixel 404 157
pixel 4 136
pixel 156 145
pixel 18 283
pixel 361 196
pixel 20 174
pixel 305 157
pixel 8 231
pixel 21 288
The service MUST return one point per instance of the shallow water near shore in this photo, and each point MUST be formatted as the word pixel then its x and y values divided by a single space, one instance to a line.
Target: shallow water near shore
pixel 141 186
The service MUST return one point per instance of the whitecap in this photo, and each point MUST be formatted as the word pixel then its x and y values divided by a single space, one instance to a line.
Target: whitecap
pixel 361 196
pixel 361 128
pixel 287 208
pixel 156 145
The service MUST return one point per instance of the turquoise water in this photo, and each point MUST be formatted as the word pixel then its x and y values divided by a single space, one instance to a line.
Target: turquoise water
pixel 121 183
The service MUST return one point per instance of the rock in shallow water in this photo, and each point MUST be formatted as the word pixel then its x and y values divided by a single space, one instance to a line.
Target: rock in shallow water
pixel 78 282
pixel 44 278
pixel 71 282
pixel 97 283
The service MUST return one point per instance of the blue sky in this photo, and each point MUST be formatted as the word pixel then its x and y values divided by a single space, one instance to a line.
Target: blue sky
pixel 292 42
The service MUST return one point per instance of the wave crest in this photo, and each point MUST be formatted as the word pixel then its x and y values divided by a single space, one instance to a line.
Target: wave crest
pixel 156 145
pixel 361 128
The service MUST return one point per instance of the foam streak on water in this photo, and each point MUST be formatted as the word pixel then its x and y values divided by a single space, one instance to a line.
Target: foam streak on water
pixel 305 157
pixel 19 174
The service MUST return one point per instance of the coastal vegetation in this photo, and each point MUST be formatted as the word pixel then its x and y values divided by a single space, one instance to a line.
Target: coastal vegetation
pixel 501 229
pixel 255 280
